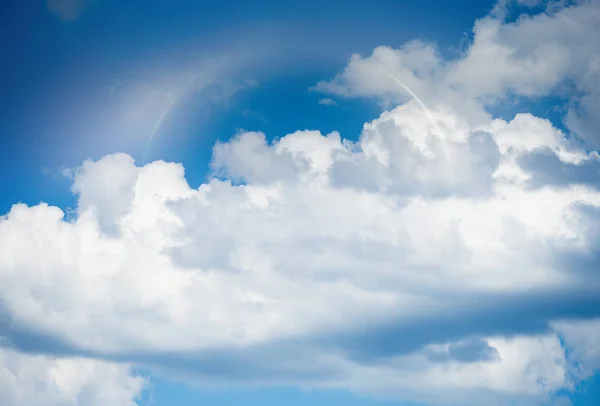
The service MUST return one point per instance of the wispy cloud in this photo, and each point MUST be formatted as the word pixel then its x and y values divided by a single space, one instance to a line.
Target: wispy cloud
pixel 68 10
pixel 328 101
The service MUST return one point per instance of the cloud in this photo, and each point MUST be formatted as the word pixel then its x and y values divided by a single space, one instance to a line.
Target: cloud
pixel 67 10
pixel 546 168
pixel 548 54
pixel 406 152
pixel 328 101
pixel 417 66
pixel 356 276
pixel 446 257
pixel 580 336
pixel 32 380
pixel 504 7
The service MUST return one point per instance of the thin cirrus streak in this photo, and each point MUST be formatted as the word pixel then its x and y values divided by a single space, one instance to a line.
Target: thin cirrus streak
pixel 422 105
pixel 157 126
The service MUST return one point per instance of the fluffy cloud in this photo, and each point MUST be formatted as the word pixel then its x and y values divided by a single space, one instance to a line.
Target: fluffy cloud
pixel 347 257
pixel 523 370
pixel 445 257
pixel 554 53
pixel 29 380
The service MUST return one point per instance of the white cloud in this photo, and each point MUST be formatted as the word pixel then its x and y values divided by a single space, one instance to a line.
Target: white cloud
pixel 553 53
pixel 582 337
pixel 418 66
pixel 503 7
pixel 437 259
pixel 328 101
pixel 524 371
pixel 32 380
pixel 305 249
pixel 406 152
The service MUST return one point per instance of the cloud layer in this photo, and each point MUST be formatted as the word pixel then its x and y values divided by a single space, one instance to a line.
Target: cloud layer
pixel 413 268
pixel 446 256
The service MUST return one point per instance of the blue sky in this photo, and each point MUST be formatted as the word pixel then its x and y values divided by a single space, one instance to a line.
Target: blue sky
pixel 62 71
pixel 373 203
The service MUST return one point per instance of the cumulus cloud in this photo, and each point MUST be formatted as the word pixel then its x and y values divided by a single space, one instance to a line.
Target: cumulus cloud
pixel 446 256
pixel 408 273
pixel 30 380
pixel 554 53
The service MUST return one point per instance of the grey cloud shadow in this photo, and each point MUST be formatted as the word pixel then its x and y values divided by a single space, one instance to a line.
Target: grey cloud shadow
pixel 280 361
pixel 26 340
pixel 546 169
pixel 471 350
pixel 293 361
pixel 586 261
pixel 472 317
pixel 288 361
pixel 504 315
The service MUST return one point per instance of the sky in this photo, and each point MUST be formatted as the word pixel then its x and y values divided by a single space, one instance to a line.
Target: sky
pixel 308 203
